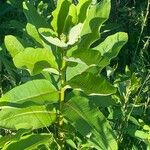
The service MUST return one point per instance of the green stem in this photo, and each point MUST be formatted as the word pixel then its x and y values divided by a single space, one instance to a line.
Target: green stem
pixel 61 101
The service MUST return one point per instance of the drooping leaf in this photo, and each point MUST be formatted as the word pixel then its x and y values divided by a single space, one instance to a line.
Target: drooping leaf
pixel 35 59
pixel 13 45
pixel 29 142
pixel 30 117
pixel 111 46
pixel 90 122
pixel 97 15
pixel 32 15
pixel 104 52
pixel 59 15
pixel 37 91
pixel 91 84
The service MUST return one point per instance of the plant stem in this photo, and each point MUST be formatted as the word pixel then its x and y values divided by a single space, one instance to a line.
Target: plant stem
pixel 61 101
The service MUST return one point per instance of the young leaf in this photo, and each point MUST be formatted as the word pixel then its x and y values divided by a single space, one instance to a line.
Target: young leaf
pixel 74 34
pixel 90 122
pixel 59 15
pixel 33 32
pixel 30 117
pixel 71 19
pixel 91 84
pixel 13 45
pixel 37 91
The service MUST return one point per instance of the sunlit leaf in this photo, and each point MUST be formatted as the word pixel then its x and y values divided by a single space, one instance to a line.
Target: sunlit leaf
pixel 30 117
pixel 90 122
pixel 37 91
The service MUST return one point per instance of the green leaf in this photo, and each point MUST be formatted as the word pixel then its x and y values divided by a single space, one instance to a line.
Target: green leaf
pixel 7 139
pixel 74 68
pixel 90 122
pixel 37 91
pixel 60 15
pixel 35 59
pixel 82 9
pixel 91 84
pixel 30 117
pixel 13 45
pixel 30 142
pixel 102 101
pixel 33 32
pixel 73 37
pixel 74 34
pixel 97 15
pixel 90 56
pixel 52 38
pixel 111 46
pixel 32 15
pixel 71 19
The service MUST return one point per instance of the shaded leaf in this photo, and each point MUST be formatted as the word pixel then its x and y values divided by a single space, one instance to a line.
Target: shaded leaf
pixel 29 142
pixel 82 9
pixel 32 15
pixel 91 84
pixel 7 139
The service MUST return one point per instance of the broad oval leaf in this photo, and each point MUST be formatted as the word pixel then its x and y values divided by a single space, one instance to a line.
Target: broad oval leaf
pixel 13 45
pixel 37 91
pixel 30 117
pixel 35 59
pixel 90 122
pixel 91 84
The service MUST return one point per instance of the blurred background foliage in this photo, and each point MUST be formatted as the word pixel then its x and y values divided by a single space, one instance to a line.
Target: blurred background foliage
pixel 130 71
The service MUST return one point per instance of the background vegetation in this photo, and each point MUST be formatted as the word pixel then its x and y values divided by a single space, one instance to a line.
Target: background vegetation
pixel 129 71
